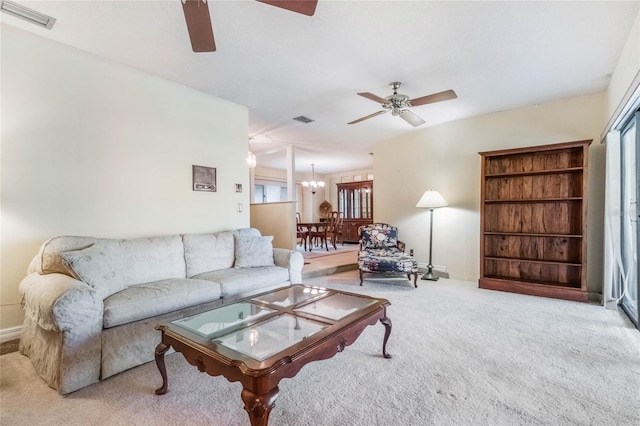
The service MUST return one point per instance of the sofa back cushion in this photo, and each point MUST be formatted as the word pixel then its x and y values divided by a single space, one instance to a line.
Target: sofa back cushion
pixel 110 265
pixel 208 252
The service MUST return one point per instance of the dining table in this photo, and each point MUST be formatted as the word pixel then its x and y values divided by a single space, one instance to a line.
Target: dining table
pixel 313 230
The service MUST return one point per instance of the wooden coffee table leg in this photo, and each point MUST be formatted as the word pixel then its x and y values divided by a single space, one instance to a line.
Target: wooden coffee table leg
pixel 386 321
pixel 160 351
pixel 259 406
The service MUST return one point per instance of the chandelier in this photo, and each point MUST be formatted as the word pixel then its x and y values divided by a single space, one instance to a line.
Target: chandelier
pixel 251 160
pixel 313 184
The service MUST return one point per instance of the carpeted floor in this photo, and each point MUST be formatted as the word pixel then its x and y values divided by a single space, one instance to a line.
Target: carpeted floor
pixel 461 356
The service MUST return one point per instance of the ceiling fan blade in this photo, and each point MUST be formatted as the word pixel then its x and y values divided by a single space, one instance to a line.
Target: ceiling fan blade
pixel 368 116
pixel 306 7
pixel 411 118
pixel 196 13
pixel 436 97
pixel 373 97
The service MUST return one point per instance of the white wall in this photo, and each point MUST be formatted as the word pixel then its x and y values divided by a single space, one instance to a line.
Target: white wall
pixel 90 147
pixel 277 219
pixel 627 69
pixel 445 158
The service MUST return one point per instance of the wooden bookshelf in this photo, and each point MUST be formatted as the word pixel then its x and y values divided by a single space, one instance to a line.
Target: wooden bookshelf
pixel 533 220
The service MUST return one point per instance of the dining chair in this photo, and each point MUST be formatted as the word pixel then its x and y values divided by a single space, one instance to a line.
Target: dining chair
pixel 332 230
pixel 318 235
pixel 301 232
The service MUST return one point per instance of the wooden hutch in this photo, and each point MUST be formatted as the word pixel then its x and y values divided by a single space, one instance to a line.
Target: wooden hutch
pixel 355 202
pixel 533 220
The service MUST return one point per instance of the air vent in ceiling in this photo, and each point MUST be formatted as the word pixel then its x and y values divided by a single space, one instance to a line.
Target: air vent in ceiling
pixel 303 119
pixel 27 14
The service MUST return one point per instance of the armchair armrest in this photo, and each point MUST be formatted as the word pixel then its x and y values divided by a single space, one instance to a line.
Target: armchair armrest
pixel 292 260
pixel 57 302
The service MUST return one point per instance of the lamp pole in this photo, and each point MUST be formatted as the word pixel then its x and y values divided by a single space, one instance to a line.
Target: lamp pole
pixel 431 200
pixel 430 275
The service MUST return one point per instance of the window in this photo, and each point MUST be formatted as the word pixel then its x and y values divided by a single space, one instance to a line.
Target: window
pixel 269 192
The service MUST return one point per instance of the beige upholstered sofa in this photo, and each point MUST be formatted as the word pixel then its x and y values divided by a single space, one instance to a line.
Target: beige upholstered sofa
pixel 91 304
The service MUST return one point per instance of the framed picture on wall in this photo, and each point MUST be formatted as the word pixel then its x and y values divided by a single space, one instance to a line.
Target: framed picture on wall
pixel 204 178
pixel 238 187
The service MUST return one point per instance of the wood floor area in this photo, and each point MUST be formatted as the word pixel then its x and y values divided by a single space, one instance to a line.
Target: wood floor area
pixel 8 347
pixel 331 264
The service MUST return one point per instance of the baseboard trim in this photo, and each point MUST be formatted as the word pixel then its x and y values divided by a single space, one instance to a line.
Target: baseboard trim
pixel 595 298
pixel 8 334
pixel 424 267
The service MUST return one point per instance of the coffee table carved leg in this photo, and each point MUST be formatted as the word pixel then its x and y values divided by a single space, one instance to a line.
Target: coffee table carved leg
pixel 259 406
pixel 386 321
pixel 160 351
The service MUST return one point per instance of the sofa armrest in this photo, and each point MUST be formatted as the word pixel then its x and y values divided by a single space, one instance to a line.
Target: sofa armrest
pixel 57 302
pixel 33 265
pixel 292 260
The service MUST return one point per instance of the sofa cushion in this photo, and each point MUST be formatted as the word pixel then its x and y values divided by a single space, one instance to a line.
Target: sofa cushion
pixel 49 257
pixel 247 232
pixel 238 281
pixel 388 259
pixel 151 299
pixel 111 265
pixel 253 251
pixel 129 345
pixel 90 265
pixel 208 252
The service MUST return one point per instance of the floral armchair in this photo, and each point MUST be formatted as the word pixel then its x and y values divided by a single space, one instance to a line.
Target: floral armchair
pixel 381 252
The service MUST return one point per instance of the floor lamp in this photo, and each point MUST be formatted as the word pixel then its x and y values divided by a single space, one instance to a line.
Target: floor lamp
pixel 431 200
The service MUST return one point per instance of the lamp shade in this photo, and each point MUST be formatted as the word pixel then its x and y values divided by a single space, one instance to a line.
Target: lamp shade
pixel 431 200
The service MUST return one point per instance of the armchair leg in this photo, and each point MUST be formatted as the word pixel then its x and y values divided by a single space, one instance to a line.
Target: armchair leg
pixel 415 279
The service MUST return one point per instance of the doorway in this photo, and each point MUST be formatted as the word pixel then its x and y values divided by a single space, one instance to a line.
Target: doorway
pixel 630 237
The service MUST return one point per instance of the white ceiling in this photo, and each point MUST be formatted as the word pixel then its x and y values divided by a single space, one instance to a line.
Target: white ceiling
pixel 495 55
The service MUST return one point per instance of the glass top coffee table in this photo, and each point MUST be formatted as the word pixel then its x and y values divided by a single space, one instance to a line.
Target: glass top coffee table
pixel 261 339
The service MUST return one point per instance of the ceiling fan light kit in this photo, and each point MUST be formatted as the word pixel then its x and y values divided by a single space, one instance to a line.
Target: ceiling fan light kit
pixel 400 104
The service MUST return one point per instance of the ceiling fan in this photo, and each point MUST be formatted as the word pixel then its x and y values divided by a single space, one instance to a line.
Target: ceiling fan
pixel 196 13
pixel 399 104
